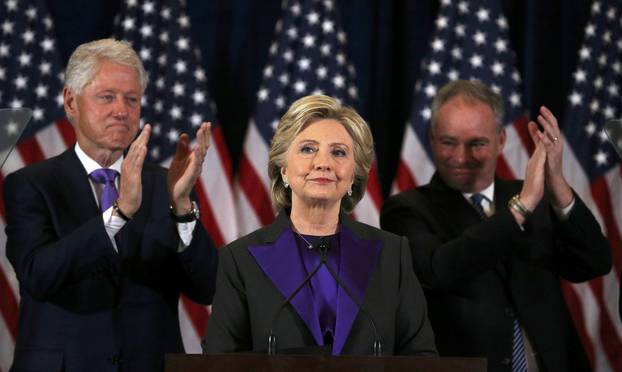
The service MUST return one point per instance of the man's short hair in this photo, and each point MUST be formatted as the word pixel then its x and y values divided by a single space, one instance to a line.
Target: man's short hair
pixel 85 62
pixel 472 91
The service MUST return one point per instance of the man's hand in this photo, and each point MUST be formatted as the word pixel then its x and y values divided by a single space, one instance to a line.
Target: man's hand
pixel 551 138
pixel 533 185
pixel 186 168
pixel 130 183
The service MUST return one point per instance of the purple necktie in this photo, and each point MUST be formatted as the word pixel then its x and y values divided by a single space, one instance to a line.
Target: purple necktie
pixel 106 177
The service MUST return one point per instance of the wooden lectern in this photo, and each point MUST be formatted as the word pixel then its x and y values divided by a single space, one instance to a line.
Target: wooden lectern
pixel 308 363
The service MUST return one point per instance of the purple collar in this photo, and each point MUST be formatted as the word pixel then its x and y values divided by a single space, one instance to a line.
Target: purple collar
pixel 281 262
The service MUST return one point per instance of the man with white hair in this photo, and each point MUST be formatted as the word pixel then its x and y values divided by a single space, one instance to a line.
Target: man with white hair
pixel 102 242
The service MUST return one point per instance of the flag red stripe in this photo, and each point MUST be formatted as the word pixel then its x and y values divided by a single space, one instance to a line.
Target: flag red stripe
pixel 258 197
pixel 575 308
pixel 8 305
pixel 403 178
pixel 608 337
pixel 197 314
pixel 520 125
pixel 2 210
pixel 207 216
pixel 504 170
pixel 30 151
pixel 66 131
pixel 373 187
pixel 602 198
pixel 223 152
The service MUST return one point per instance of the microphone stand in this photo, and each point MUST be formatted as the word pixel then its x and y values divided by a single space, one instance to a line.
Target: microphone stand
pixel 271 336
pixel 377 346
pixel 323 249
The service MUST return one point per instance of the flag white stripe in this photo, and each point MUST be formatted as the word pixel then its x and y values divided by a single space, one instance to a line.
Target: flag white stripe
pixel 415 158
pixel 50 141
pixel 515 153
pixel 218 192
pixel 247 218
pixel 6 346
pixel 611 289
pixel 13 163
pixel 591 318
pixel 614 184
pixel 367 212
pixel 5 265
pixel 189 335
pixel 257 154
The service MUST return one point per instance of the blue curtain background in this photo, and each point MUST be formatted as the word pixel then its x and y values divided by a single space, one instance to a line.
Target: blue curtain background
pixel 386 41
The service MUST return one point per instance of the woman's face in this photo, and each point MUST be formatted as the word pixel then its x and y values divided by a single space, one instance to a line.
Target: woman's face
pixel 320 164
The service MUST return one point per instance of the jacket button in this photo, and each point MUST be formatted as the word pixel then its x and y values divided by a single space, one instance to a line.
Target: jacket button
pixel 116 359
pixel 506 361
pixel 509 312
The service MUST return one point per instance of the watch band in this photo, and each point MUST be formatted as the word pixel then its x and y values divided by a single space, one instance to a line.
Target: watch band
pixel 193 215
pixel 119 212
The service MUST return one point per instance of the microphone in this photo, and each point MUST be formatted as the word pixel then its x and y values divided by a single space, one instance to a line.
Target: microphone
pixel 271 335
pixel 323 249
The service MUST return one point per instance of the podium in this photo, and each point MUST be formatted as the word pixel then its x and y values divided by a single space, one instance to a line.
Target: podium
pixel 308 363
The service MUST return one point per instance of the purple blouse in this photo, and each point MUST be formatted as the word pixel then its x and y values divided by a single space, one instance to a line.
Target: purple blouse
pixel 322 285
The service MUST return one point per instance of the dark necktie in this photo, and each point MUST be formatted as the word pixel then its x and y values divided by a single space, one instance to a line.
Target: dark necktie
pixel 106 177
pixel 476 200
pixel 519 362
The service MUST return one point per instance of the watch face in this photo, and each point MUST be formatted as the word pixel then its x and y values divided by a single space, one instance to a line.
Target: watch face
pixel 195 211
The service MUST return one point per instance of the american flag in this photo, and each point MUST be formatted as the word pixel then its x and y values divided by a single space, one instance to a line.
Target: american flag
pixel 595 173
pixel 30 76
pixel 471 42
pixel 307 55
pixel 176 101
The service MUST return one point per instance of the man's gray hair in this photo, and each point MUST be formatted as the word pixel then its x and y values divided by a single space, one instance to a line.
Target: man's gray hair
pixel 86 59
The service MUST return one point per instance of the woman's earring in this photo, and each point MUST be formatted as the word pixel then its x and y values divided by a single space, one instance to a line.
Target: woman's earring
pixel 350 191
pixel 285 183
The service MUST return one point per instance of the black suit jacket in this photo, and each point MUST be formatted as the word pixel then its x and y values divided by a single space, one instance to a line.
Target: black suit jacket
pixel 247 298
pixel 479 274
pixel 85 307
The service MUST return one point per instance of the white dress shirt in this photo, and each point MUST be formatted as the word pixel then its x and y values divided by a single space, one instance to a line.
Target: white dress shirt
pixel 112 223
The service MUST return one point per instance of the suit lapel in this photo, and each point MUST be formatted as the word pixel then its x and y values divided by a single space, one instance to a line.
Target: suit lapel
pixel 75 189
pixel 358 261
pixel 503 192
pixel 279 259
pixel 450 205
pixel 281 262
pixel 77 200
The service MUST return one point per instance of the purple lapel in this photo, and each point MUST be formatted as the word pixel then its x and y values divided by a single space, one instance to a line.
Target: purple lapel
pixel 358 261
pixel 282 264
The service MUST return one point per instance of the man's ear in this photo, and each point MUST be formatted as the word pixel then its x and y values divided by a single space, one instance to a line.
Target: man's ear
pixel 70 102
pixel 502 139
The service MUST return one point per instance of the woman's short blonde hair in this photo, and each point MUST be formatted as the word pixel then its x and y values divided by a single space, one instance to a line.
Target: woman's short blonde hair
pixel 300 114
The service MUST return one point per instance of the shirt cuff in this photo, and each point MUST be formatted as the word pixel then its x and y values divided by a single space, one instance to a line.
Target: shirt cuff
pixel 185 230
pixel 563 213
pixel 113 224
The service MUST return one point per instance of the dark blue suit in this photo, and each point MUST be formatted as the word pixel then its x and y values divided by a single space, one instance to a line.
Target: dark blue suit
pixel 85 307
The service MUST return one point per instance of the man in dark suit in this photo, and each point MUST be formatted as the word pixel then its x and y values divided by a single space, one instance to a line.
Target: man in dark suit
pixel 103 243
pixel 490 253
